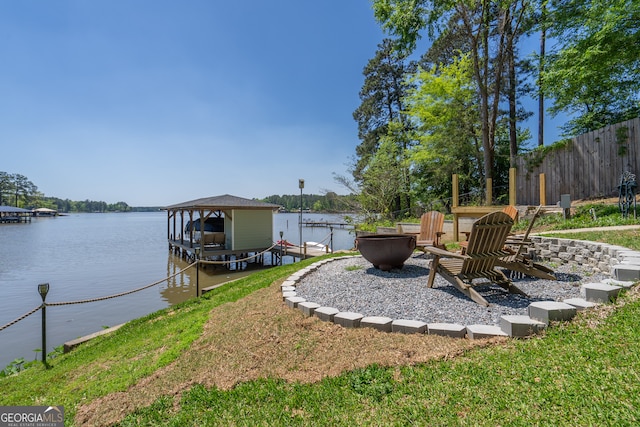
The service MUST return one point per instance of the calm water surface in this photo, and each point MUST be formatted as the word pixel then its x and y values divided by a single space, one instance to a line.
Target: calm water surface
pixel 84 256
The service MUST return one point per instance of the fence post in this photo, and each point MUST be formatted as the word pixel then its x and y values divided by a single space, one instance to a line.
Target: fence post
pixel 543 190
pixel 43 290
pixel 512 186
pixel 455 199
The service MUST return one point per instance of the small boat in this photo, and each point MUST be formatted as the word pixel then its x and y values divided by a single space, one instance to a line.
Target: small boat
pixel 316 245
pixel 211 225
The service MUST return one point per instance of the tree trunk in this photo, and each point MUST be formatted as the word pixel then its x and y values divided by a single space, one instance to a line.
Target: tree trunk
pixel 513 81
pixel 543 40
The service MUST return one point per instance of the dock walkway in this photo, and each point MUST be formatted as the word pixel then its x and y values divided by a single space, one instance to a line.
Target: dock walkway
pixel 296 251
pixel 326 224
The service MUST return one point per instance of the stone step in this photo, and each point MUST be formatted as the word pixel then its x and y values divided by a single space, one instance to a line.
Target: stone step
pixel 548 311
pixel 520 326
pixel 475 332
pixel 288 294
pixel 294 277
pixel 447 329
pixel 293 301
pixel 580 303
pixel 308 307
pixel 326 313
pixel 380 323
pixel 70 345
pixel 348 319
pixel 623 284
pixel 408 326
pixel 626 272
pixel 600 292
pixel 628 254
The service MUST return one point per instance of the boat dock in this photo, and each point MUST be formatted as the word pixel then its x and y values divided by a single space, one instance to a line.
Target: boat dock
pixel 233 231
pixel 295 251
pixel 192 252
pixel 278 252
pixel 12 214
pixel 326 224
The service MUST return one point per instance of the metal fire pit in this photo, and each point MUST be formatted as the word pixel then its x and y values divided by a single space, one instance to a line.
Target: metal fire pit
pixel 386 251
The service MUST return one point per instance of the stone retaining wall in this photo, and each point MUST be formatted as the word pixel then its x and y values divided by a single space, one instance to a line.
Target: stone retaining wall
pixel 601 257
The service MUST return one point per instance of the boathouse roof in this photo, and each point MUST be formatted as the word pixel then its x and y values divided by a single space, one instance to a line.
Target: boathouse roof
pixel 13 209
pixel 223 202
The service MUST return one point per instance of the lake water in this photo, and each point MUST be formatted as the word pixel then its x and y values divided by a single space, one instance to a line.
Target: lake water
pixel 85 256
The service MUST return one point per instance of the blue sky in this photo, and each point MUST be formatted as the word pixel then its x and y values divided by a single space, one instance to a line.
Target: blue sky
pixel 155 102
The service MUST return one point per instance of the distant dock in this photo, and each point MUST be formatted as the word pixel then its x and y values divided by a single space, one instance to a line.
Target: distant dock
pixel 326 224
pixel 12 214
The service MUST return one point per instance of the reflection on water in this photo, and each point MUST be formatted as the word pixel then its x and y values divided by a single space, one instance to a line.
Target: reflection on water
pixel 185 279
pixel 87 256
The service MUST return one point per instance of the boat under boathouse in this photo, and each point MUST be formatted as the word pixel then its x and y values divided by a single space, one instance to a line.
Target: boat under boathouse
pixel 220 226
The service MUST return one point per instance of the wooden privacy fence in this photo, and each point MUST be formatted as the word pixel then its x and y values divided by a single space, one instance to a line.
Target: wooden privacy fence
pixel 590 165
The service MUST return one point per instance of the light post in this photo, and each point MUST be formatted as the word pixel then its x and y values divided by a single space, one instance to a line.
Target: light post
pixel 301 186
pixel 43 290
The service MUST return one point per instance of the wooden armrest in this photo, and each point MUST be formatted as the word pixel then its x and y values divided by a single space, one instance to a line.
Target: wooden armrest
pixel 444 253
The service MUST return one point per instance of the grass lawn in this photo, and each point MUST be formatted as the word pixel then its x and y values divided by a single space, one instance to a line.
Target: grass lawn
pixel 234 358
pixel 583 373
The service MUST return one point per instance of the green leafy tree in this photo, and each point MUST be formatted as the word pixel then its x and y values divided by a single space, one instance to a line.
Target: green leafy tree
pixel 490 29
pixel 594 74
pixel 22 188
pixel 382 178
pixel 444 108
pixel 381 113
pixel 5 187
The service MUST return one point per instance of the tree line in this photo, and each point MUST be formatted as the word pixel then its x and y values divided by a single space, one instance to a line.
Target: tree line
pixel 17 190
pixel 456 106
pixel 329 202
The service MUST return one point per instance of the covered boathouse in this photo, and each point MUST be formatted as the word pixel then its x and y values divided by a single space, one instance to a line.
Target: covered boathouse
pixel 220 226
pixel 14 214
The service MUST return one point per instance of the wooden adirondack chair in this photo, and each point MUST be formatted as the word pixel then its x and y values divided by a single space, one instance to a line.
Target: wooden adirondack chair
pixel 431 224
pixel 509 210
pixel 517 262
pixel 485 246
